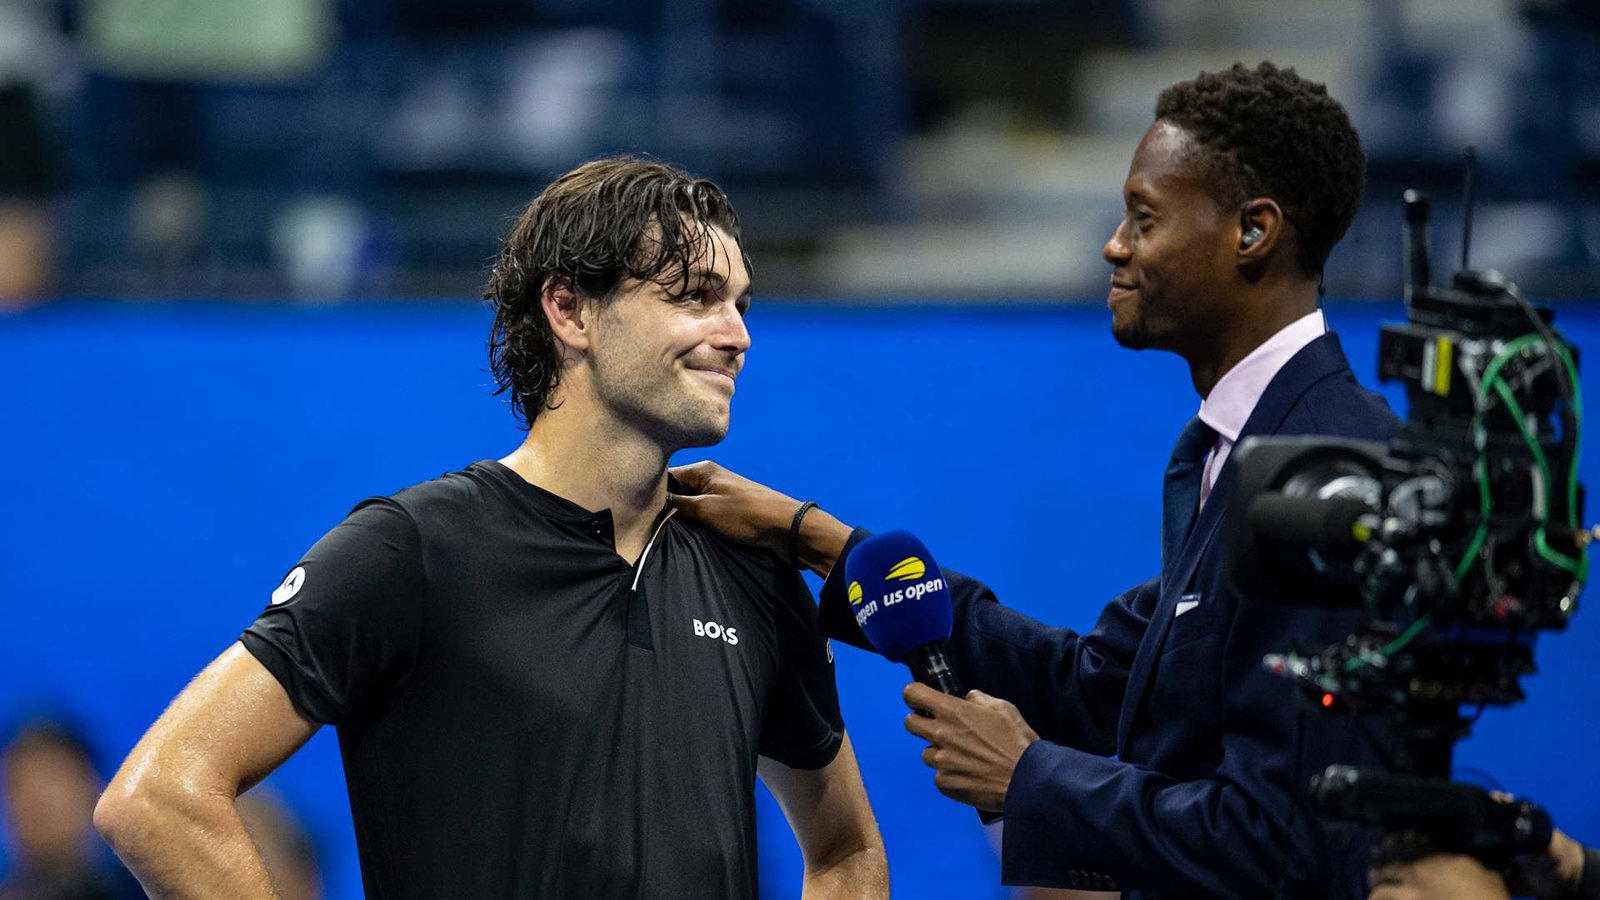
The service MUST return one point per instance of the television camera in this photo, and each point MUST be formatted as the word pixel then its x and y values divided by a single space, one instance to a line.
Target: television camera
pixel 1459 540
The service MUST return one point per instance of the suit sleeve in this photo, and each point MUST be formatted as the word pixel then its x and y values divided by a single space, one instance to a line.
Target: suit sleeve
pixel 1069 687
pixel 1241 827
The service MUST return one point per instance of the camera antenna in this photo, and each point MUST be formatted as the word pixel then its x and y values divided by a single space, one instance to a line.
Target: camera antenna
pixel 1469 163
pixel 1414 244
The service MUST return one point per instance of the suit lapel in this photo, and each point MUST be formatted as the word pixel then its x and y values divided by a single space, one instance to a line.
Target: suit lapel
pixel 1174 583
pixel 1316 361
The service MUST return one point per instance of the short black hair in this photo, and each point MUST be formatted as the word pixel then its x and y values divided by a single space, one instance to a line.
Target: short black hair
pixel 1272 133
pixel 610 218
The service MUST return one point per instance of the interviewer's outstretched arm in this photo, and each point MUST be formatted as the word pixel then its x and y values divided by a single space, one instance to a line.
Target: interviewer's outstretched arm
pixel 832 820
pixel 1068 687
pixel 169 812
pixel 750 513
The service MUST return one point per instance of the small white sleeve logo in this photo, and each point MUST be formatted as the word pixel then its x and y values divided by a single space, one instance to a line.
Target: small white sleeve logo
pixel 291 585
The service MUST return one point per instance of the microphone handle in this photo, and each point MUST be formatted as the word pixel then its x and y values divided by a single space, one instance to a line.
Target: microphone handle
pixel 930 667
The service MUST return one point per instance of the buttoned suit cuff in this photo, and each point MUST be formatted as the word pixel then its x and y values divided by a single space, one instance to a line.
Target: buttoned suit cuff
pixel 1040 845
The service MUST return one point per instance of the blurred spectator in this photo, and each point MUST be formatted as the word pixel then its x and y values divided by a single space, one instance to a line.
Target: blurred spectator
pixel 286 849
pixel 50 786
pixel 208 127
pixel 28 55
pixel 49 782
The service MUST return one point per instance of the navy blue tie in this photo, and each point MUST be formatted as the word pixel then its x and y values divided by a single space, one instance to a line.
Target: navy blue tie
pixel 1180 493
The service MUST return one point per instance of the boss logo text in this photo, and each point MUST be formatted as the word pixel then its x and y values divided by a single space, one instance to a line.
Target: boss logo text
pixel 719 632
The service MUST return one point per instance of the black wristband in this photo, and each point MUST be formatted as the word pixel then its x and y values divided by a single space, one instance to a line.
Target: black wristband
pixel 794 531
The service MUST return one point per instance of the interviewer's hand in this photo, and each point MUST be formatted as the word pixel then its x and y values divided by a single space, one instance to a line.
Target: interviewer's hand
pixel 749 513
pixel 973 744
pixel 1443 876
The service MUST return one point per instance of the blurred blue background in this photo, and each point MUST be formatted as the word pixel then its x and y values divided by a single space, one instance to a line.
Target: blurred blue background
pixel 240 242
pixel 169 461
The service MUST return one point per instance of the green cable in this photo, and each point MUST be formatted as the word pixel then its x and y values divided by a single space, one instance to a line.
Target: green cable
pixel 1540 543
pixel 1577 436
pixel 1394 646
pixel 1582 573
pixel 1492 381
pixel 1480 534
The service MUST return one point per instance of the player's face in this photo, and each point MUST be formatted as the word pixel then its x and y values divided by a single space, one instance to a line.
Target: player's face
pixel 1173 253
pixel 666 358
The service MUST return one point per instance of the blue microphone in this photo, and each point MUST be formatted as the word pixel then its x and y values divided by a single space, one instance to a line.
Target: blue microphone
pixel 902 604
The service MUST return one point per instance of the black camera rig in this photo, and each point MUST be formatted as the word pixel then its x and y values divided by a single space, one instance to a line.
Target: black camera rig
pixel 1460 540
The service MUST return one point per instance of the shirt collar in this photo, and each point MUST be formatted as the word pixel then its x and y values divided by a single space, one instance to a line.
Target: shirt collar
pixel 548 503
pixel 560 508
pixel 1235 395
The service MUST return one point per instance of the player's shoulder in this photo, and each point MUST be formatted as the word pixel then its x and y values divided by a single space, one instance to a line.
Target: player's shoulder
pixel 459 492
pixel 755 564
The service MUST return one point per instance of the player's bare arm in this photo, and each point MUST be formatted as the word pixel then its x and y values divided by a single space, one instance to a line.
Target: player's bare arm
pixel 169 812
pixel 839 840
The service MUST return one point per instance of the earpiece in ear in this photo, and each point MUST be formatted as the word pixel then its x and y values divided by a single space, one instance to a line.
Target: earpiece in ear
pixel 1252 236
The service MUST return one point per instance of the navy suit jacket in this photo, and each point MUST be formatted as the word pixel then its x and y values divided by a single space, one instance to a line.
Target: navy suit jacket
pixel 1169 759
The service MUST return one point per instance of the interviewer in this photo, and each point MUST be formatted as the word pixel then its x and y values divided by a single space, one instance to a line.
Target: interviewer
pixel 1154 750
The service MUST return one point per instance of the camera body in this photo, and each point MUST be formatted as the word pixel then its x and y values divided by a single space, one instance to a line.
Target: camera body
pixel 1459 539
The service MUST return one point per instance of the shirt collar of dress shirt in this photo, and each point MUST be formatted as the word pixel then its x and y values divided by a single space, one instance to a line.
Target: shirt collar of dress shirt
pixel 1235 395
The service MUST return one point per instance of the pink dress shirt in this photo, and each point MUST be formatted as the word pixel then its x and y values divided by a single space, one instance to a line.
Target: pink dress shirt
pixel 1234 397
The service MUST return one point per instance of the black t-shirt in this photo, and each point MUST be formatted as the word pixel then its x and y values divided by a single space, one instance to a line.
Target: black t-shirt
pixel 524 714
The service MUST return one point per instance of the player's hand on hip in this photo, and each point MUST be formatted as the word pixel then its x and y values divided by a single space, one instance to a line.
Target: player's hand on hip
pixel 734 506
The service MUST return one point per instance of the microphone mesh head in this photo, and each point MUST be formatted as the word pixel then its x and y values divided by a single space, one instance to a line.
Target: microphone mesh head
pixel 898 594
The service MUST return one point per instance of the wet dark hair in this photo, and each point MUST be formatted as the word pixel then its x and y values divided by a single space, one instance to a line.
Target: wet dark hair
pixel 1272 133
pixel 607 220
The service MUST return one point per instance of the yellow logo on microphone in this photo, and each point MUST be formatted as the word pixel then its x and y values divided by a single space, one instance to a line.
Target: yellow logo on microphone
pixel 908 569
pixel 855 593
